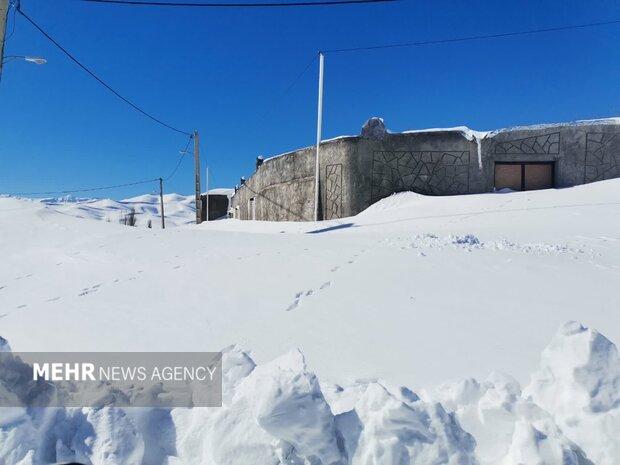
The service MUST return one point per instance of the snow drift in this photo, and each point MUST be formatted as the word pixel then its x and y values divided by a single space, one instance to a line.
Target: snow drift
pixel 277 413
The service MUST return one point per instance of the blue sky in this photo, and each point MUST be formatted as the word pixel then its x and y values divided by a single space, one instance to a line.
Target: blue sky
pixel 224 72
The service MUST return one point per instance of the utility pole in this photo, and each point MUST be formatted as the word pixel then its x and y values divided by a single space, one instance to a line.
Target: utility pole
pixel 207 185
pixel 4 10
pixel 319 127
pixel 197 173
pixel 161 202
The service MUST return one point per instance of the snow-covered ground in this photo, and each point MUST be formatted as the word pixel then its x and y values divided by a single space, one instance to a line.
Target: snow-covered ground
pixel 416 294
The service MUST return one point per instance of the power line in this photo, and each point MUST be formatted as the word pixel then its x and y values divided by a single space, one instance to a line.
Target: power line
pixel 10 34
pixel 478 37
pixel 181 157
pixel 115 186
pixel 240 5
pixel 276 101
pixel 97 78
pixel 88 189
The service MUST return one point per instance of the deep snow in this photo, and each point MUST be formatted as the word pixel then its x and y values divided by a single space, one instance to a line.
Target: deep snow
pixel 278 413
pixel 415 291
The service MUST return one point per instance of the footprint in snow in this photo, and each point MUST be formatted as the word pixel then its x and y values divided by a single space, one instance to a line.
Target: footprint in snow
pixel 334 269
pixel 295 302
pixel 53 299
pixel 176 267
pixel 22 306
pixel 89 290
pixel 299 296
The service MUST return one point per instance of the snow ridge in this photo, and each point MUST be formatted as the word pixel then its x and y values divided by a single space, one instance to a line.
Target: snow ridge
pixel 276 413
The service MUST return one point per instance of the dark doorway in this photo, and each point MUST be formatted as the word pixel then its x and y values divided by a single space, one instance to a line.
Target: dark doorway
pixel 524 176
pixel 218 206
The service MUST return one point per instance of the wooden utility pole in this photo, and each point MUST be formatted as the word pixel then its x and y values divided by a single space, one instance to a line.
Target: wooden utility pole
pixel 4 10
pixel 197 173
pixel 319 127
pixel 161 202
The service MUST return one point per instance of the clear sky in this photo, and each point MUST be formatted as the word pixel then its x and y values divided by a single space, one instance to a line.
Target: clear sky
pixel 224 72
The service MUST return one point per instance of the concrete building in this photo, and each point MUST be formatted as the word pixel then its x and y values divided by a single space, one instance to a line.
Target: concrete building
pixel 357 171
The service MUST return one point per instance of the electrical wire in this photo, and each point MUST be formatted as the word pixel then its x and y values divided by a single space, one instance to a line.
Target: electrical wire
pixel 13 21
pixel 88 189
pixel 181 158
pixel 97 78
pixel 240 5
pixel 276 101
pixel 472 38
pixel 115 186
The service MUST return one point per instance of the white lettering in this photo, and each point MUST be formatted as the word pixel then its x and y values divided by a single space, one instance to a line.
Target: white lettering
pixel 41 372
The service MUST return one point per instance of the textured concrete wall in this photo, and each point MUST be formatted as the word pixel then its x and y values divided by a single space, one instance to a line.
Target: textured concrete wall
pixel 582 153
pixel 282 189
pixel 355 172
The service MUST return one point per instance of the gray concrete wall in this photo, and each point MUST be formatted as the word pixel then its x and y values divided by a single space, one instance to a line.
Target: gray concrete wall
pixel 357 171
pixel 582 153
pixel 282 189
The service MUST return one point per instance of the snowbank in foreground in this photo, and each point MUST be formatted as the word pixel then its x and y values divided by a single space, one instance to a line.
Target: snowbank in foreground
pixel 278 413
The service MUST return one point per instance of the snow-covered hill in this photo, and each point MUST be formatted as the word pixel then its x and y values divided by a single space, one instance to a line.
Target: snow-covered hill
pixel 178 209
pixel 414 295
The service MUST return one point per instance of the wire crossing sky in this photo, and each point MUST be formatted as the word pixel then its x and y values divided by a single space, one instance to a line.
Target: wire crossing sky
pixel 246 79
pixel 239 5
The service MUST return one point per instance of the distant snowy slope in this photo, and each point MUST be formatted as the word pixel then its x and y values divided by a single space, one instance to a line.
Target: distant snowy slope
pixel 178 209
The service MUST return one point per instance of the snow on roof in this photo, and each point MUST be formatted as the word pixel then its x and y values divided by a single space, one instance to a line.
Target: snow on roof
pixel 308 147
pixel 221 191
pixel 471 134
pixel 584 122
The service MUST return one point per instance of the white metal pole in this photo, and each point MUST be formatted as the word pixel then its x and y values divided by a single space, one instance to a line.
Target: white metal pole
pixel 207 182
pixel 197 177
pixel 319 127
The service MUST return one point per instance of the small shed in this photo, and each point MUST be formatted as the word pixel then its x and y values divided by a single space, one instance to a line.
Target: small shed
pixel 219 202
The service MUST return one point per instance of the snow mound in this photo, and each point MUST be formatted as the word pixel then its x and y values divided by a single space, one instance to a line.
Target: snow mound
pixel 508 429
pixel 287 402
pixel 394 201
pixel 579 369
pixel 578 382
pixel 4 345
pixel 391 431
pixel 277 413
